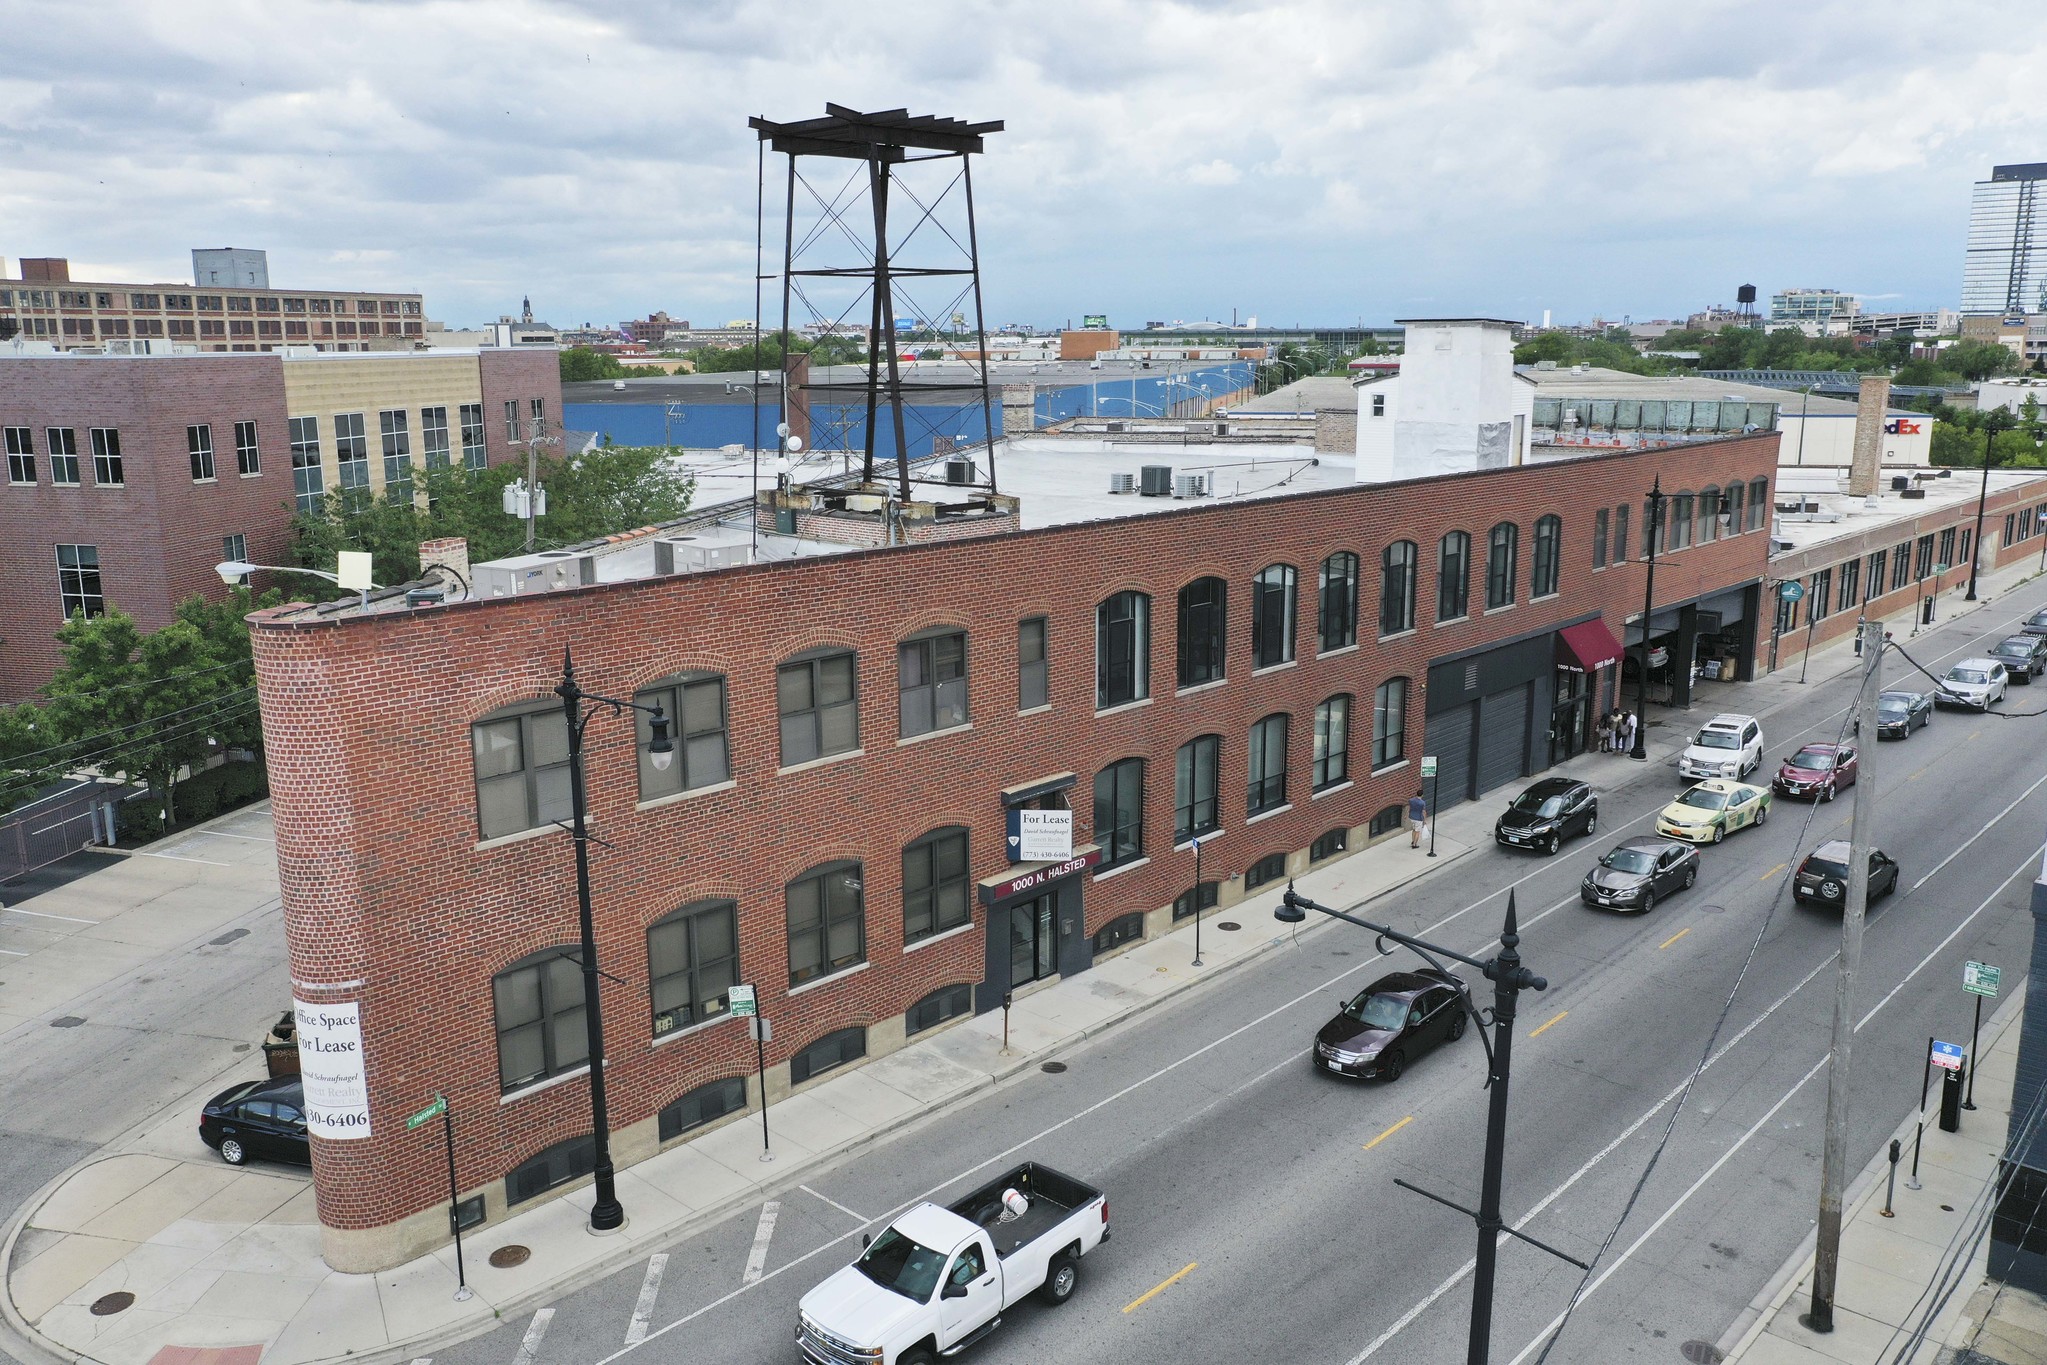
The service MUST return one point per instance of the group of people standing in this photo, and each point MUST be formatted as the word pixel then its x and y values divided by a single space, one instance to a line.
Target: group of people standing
pixel 1617 732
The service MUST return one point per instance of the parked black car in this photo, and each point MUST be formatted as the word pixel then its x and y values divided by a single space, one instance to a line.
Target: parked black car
pixel 1898 714
pixel 2024 656
pixel 1390 1023
pixel 1638 872
pixel 1551 811
pixel 1823 876
pixel 261 1119
pixel 2036 624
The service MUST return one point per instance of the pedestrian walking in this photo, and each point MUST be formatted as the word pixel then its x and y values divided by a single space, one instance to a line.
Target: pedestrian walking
pixel 1628 729
pixel 1417 818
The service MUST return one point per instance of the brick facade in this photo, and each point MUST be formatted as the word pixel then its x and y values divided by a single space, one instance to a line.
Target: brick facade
pixel 391 899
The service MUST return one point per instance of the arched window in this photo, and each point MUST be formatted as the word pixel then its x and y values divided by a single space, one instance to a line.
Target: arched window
pixel 1195 808
pixel 1544 570
pixel 1731 511
pixel 692 962
pixel 1389 723
pixel 1204 606
pixel 700 1106
pixel 827 921
pixel 1709 515
pixel 522 768
pixel 1122 650
pixel 935 895
pixel 1332 742
pixel 1338 617
pixel 1396 588
pixel 1502 546
pixel 540 1027
pixel 1758 504
pixel 1272 616
pixel 1453 576
pixel 695 704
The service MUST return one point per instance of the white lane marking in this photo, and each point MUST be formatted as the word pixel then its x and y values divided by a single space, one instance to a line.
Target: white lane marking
pixel 11 953
pixel 254 839
pixel 650 1288
pixel 757 1259
pixel 176 859
pixel 68 919
pixel 536 1330
pixel 2032 859
pixel 422 1360
pixel 834 1203
pixel 1981 832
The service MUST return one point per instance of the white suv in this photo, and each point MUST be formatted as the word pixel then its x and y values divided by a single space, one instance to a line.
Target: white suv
pixel 1973 683
pixel 1726 746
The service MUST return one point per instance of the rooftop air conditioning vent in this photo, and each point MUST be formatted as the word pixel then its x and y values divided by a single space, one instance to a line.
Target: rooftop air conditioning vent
pixel 1912 493
pixel 959 471
pixel 1190 485
pixel 1122 483
pixel 686 554
pixel 1156 481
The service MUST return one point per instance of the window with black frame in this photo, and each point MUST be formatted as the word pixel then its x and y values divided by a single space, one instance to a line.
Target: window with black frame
pixel 947 1002
pixel 1203 610
pixel 1453 576
pixel 1272 616
pixel 935 895
pixel 1270 868
pixel 1396 588
pixel 1389 723
pixel 1194 900
pixel 832 1050
pixel 1119 812
pixel 538 1004
pixel 1033 670
pixel 1502 549
pixel 700 1106
pixel 931 682
pixel 1266 786
pixel 692 964
pixel 1122 650
pixel 827 922
pixel 1337 616
pixel 1332 742
pixel 1545 565
pixel 521 756
pixel 818 698
pixel 1195 809
pixel 694 704
pixel 1119 931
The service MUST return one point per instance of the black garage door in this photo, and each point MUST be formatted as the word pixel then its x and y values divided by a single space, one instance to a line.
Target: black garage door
pixel 1449 741
pixel 1503 737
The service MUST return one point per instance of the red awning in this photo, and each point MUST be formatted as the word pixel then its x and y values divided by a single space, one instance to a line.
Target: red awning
pixel 1590 643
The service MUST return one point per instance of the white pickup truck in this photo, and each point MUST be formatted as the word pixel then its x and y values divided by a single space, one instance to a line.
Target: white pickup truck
pixel 937 1280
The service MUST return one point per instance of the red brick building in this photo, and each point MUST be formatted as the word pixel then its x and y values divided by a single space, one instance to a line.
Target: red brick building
pixel 129 477
pixel 854 730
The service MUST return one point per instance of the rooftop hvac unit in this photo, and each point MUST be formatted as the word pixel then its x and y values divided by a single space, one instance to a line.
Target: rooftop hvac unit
pixel 1122 483
pixel 1190 485
pixel 686 554
pixel 959 471
pixel 564 569
pixel 1156 480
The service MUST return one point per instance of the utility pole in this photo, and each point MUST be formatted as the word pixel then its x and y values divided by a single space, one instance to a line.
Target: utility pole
pixel 1833 1165
pixel 1652 524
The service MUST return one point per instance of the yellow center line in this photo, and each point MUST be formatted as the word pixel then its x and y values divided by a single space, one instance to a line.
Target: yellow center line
pixel 1674 938
pixel 1773 872
pixel 1389 1132
pixel 1142 1299
pixel 1551 1024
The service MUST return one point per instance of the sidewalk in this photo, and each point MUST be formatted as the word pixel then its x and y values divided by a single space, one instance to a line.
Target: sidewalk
pixel 218 1258
pixel 1886 1262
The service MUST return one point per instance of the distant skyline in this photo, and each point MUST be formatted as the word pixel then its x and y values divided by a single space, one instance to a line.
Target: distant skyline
pixel 1323 162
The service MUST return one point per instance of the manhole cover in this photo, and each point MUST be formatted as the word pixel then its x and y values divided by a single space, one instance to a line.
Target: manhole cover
pixel 1228 926
pixel 1052 1068
pixel 1714 909
pixel 106 1305
pixel 1702 1353
pixel 66 1021
pixel 505 1257
pixel 1947 1208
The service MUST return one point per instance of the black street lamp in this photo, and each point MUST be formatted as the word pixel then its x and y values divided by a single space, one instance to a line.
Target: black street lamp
pixel 1509 979
pixel 1994 421
pixel 606 1213
pixel 1652 525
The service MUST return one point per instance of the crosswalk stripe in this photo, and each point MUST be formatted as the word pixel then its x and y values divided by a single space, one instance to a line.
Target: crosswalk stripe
pixel 536 1331
pixel 643 1311
pixel 757 1259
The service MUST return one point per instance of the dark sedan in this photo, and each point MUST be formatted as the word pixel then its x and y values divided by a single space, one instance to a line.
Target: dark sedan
pixel 2036 624
pixel 2024 656
pixel 1390 1023
pixel 260 1119
pixel 1898 714
pixel 1823 876
pixel 1551 811
pixel 1818 771
pixel 1638 872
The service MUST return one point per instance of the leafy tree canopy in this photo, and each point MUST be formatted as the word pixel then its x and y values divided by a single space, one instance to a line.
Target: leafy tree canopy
pixel 580 363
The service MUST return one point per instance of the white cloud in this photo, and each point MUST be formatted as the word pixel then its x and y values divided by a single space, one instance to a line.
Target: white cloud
pixel 1304 160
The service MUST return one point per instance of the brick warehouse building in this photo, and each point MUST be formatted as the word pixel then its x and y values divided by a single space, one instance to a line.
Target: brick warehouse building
pixel 129 477
pixel 854 727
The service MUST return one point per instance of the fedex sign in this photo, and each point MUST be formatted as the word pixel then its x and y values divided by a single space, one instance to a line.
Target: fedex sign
pixel 1903 426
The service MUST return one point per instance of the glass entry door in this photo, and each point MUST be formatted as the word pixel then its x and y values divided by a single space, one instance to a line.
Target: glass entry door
pixel 1570 716
pixel 1033 947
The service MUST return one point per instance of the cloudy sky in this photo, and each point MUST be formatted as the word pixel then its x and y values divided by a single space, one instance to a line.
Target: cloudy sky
pixel 1324 161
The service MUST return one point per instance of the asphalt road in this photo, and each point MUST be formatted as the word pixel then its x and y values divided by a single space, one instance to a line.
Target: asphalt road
pixel 1266 1188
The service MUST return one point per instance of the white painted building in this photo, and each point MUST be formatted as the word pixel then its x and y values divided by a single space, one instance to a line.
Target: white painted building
pixel 2011 394
pixel 1455 405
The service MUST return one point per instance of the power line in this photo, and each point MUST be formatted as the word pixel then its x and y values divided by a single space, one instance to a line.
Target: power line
pixel 236 695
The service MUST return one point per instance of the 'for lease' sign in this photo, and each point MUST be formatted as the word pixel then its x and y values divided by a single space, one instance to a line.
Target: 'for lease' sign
pixel 331 1067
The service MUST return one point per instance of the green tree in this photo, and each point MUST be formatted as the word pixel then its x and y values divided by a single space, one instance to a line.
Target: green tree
pixel 224 630
pixel 580 363
pixel 1978 360
pixel 27 760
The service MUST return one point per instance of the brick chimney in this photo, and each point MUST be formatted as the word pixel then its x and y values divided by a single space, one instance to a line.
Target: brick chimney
pixel 45 270
pixel 450 553
pixel 1867 470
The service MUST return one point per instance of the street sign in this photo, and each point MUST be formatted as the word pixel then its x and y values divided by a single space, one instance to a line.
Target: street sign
pixel 742 999
pixel 432 1111
pixel 1095 321
pixel 1040 836
pixel 1948 1055
pixel 1429 765
pixel 1791 590
pixel 1980 978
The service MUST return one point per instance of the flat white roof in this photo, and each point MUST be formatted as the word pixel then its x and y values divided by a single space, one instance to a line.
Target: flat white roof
pixel 1837 516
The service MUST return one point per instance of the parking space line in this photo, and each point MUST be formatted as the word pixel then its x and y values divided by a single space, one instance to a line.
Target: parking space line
pixel 223 834
pixel 650 1288
pixel 1673 938
pixel 11 953
pixel 1146 1297
pixel 536 1331
pixel 1981 832
pixel 68 919
pixel 172 857
pixel 835 1204
pixel 1382 1137
pixel 1554 1021
pixel 757 1259
pixel 1773 872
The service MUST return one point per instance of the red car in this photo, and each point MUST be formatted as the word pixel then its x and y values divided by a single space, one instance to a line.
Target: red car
pixel 1817 771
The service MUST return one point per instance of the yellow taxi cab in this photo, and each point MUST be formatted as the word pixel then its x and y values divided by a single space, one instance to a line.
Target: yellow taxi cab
pixel 1707 812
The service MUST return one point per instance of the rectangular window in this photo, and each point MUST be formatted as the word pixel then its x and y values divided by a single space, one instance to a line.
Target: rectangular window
pixel 199 443
pixel 248 459
pixel 1194 900
pixel 541 1032
pixel 1389 722
pixel 1901 566
pixel 472 436
pixel 511 419
pixel 1122 649
pixel 931 683
pixel 934 1009
pixel 307 482
pixel 1620 534
pixel 1272 616
pixel 1033 681
pixel 107 468
pixel 1194 788
pixel 1203 623
pixel 827 922
pixel 1599 534
pixel 536 408
pixel 2011 526
pixel 522 770
pixel 1119 812
pixel 78 580
pixel 21 454
pixel 1820 595
pixel 1947 549
pixel 1851 580
pixel 1338 615
pixel 819 705
pixel 234 549
pixel 692 962
pixel 352 453
pixel 1876 573
pixel 63 446
pixel 433 436
pixel 1923 560
pixel 1332 742
pixel 694 705
pixel 397 434
pixel 1266 789
pixel 935 893
pixel 1963 557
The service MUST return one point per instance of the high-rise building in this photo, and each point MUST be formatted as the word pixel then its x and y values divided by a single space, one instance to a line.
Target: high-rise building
pixel 1795 306
pixel 2004 272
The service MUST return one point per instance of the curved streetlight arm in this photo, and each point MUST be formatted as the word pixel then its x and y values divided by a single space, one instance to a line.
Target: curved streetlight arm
pixel 232 571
